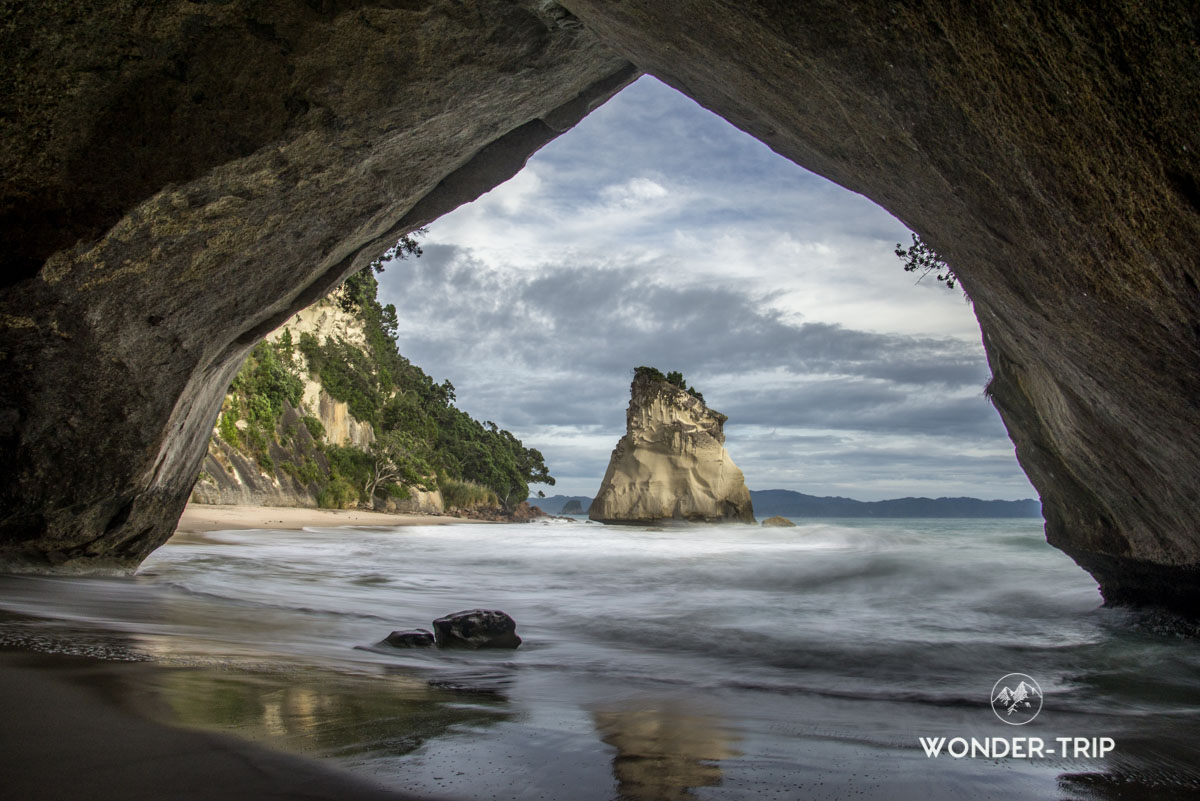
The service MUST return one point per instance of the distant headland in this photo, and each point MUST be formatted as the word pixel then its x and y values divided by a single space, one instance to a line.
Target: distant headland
pixel 787 503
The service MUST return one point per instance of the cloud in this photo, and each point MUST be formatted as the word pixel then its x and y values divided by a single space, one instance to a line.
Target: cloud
pixel 656 233
pixel 635 193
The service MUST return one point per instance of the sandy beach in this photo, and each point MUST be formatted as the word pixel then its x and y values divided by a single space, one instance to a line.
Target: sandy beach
pixel 198 518
pixel 66 738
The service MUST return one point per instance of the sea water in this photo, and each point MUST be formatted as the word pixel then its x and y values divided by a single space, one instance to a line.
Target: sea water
pixel 707 662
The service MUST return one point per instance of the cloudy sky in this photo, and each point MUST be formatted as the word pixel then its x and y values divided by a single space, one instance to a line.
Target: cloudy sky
pixel 656 233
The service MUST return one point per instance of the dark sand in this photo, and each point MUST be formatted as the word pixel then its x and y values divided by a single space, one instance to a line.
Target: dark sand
pixel 67 734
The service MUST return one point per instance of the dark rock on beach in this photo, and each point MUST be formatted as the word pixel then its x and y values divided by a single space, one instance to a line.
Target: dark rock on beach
pixel 476 628
pixel 417 638
pixel 781 522
pixel 521 513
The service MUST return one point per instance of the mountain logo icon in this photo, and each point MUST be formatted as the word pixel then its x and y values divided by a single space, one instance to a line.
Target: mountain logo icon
pixel 1016 699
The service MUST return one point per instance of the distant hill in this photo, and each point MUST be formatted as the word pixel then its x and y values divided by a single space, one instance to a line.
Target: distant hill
pixel 786 503
pixel 554 504
pixel 796 504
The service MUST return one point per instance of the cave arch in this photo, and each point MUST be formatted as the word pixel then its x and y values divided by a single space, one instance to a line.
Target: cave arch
pixel 180 179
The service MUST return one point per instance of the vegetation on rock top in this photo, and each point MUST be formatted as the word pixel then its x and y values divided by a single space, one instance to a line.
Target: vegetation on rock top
pixel 674 378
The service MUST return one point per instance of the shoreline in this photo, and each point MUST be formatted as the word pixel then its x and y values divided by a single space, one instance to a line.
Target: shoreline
pixel 66 737
pixel 200 518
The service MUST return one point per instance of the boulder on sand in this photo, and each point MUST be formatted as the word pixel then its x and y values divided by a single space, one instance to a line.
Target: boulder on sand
pixel 417 638
pixel 476 628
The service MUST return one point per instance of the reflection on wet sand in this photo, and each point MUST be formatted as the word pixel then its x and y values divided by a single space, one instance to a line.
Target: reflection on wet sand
pixel 663 749
pixel 322 713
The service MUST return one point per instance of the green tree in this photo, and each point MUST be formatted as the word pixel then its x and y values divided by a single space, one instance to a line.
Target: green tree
pixel 359 290
pixel 396 464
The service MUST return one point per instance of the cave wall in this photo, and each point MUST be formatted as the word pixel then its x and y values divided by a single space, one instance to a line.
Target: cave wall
pixel 1050 152
pixel 180 177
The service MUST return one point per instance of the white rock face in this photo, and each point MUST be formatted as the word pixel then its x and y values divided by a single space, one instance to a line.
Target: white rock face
pixel 671 463
pixel 341 427
pixel 418 502
pixel 326 319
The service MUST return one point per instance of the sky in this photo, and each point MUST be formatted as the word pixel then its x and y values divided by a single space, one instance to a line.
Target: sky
pixel 656 233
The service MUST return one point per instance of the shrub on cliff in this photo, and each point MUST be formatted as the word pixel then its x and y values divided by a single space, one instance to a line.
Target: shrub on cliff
pixel 257 396
pixel 920 258
pixel 265 382
pixel 674 378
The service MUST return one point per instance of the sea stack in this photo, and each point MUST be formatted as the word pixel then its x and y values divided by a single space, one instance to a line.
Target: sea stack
pixel 672 463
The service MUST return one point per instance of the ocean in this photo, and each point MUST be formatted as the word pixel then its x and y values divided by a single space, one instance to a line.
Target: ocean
pixel 701 662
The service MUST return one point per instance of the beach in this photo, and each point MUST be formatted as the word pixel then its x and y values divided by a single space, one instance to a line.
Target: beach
pixel 198 518
pixel 77 728
pixel 715 663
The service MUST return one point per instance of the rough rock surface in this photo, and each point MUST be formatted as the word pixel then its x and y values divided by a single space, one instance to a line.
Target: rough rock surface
pixel 476 628
pixel 779 522
pixel 521 513
pixel 1049 150
pixel 418 502
pixel 417 638
pixel 179 178
pixel 228 476
pixel 672 463
pixel 325 319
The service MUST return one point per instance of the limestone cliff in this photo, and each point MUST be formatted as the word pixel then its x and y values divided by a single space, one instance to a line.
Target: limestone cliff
pixel 284 478
pixel 288 465
pixel 671 463
pixel 326 319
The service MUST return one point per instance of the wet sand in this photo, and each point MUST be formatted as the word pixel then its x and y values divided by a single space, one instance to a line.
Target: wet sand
pixel 73 729
pixel 199 518
pixel 70 733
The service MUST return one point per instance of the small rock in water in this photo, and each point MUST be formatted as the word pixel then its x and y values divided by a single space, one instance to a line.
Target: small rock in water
pixel 778 521
pixel 476 628
pixel 417 638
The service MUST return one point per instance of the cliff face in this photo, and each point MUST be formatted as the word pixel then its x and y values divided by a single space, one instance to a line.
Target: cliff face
pixel 228 475
pixel 180 178
pixel 325 319
pixel 671 463
pixel 292 468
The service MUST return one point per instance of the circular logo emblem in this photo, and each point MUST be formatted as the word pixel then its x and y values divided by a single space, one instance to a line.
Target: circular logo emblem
pixel 1016 699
